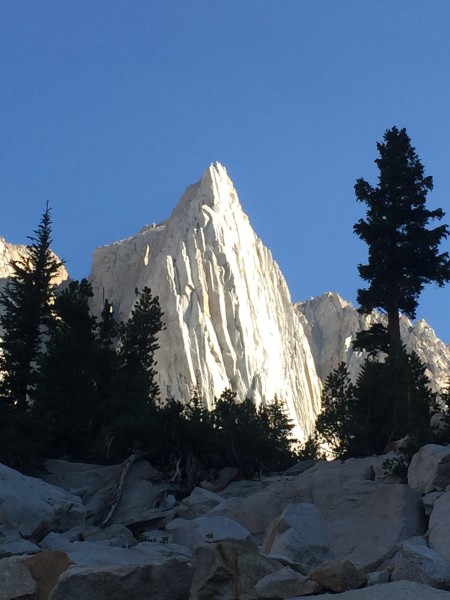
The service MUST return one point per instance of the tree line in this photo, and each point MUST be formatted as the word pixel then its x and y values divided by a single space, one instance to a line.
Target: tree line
pixel 84 388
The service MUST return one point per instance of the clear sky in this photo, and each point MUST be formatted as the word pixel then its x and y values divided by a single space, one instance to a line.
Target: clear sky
pixel 109 109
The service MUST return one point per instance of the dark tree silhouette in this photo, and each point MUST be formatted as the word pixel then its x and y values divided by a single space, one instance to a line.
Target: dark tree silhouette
pixel 403 251
pixel 138 344
pixel 66 404
pixel 27 315
pixel 387 402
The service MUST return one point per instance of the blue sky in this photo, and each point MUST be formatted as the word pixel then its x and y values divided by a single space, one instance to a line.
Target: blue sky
pixel 109 109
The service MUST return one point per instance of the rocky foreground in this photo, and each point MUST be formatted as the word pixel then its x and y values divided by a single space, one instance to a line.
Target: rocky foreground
pixel 344 529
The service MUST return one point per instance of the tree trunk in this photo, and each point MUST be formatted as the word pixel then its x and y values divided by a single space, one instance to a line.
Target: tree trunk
pixel 395 342
pixel 395 350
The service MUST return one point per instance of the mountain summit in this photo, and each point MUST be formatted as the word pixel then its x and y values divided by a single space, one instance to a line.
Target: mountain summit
pixel 227 309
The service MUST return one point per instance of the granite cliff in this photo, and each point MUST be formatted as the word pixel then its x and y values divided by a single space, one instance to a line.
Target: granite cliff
pixel 331 323
pixel 229 317
pixel 227 309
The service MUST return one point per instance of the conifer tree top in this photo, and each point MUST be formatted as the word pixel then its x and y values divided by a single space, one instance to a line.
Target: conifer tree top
pixel 403 252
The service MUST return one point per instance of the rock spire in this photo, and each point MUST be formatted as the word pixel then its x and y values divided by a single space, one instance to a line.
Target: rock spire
pixel 227 309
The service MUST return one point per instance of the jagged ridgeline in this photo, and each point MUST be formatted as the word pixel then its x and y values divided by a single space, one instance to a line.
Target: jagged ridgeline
pixel 331 324
pixel 229 318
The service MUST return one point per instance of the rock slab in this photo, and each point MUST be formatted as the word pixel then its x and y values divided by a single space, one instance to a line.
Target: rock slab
pixel 35 507
pixel 170 580
pixel 429 469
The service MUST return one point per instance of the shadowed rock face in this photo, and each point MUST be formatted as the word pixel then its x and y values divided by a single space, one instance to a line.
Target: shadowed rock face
pixel 229 317
pixel 33 508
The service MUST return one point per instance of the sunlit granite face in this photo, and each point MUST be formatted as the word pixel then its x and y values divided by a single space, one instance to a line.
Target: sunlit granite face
pixel 227 309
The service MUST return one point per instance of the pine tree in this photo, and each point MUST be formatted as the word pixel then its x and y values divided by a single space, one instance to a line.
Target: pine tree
pixel 66 406
pixel 403 251
pixel 138 344
pixel 390 400
pixel 337 423
pixel 252 437
pixel 108 333
pixel 27 315
pixel 134 390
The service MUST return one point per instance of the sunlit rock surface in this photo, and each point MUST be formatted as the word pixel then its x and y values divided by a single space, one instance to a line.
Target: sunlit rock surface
pixel 227 309
pixel 10 253
pixel 331 324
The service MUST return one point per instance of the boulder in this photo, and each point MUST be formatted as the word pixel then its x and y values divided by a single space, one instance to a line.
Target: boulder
pixel 429 469
pixel 114 535
pixel 207 485
pixel 153 518
pixel 12 543
pixel 255 508
pixel 365 519
pixel 338 575
pixel 94 484
pixel 192 533
pixel 226 475
pixel 415 540
pixel 345 494
pixel 16 582
pixel 198 503
pixel 34 507
pixel 88 554
pixel 255 505
pixel 241 489
pixel 422 564
pixel 45 568
pixel 285 582
pixel 376 577
pixel 428 501
pixel 298 537
pixel 439 526
pixel 396 590
pixel 301 466
pixel 225 570
pixel 168 580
